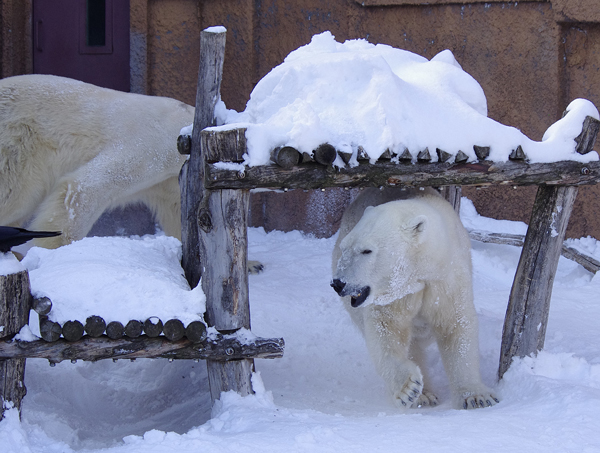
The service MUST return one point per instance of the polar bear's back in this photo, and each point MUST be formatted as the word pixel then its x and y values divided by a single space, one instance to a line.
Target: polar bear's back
pixel 51 126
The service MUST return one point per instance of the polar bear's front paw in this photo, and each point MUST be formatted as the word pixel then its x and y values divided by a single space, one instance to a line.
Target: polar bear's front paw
pixel 255 267
pixel 426 399
pixel 410 392
pixel 473 400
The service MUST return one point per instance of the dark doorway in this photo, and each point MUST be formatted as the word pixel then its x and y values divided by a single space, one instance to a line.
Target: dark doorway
pixel 86 40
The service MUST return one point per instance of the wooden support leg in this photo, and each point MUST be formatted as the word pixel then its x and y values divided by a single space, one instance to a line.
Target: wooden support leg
pixel 233 375
pixel 529 303
pixel 223 233
pixel 15 303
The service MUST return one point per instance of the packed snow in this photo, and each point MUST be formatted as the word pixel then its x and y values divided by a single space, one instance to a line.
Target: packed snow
pixel 94 276
pixel 381 98
pixel 324 394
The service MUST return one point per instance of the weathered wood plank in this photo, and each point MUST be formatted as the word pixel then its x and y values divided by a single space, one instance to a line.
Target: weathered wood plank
pixel 314 176
pixel 529 303
pixel 220 348
pixel 15 303
pixel 589 263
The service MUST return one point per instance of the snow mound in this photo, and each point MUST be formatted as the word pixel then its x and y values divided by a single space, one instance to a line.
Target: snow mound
pixel 381 98
pixel 119 279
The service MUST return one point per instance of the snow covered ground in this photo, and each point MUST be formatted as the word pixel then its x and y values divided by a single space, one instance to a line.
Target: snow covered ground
pixel 324 395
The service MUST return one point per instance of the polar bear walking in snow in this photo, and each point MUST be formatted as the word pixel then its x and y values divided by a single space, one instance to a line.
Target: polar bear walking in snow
pixel 402 265
pixel 71 150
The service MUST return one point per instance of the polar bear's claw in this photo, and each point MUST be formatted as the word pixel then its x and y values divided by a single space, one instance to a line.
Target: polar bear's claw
pixel 426 399
pixel 410 393
pixel 479 401
pixel 255 267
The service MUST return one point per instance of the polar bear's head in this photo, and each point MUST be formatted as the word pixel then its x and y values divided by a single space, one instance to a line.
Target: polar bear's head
pixel 388 254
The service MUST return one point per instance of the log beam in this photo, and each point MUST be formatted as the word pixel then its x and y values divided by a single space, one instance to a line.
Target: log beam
pixel 589 263
pixel 419 174
pixel 219 348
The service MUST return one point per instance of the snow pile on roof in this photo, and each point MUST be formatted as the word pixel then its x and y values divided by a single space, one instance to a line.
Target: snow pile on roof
pixel 119 279
pixel 355 94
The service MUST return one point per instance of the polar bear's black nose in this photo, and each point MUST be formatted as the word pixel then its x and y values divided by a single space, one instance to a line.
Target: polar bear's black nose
pixel 338 285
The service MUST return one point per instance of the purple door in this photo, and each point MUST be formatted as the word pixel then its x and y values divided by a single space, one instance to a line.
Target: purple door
pixel 83 39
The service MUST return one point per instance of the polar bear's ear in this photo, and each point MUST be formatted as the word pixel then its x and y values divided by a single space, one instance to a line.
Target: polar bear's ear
pixel 418 224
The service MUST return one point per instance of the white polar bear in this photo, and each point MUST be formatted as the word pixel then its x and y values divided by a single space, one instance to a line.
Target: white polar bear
pixel 71 150
pixel 403 269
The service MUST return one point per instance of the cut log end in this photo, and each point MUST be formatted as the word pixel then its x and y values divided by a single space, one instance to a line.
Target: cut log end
pixel 184 144
pixel 72 330
pixel 424 156
pixel 325 154
pixel 50 330
pixel 174 329
pixel 346 157
pixel 196 332
pixel 406 156
pixel 586 140
pixel 461 157
pixel 42 306
pixel 286 157
pixel 95 326
pixel 517 154
pixel 134 328
pixel 386 155
pixel 115 330
pixel 443 156
pixel 362 154
pixel 153 327
pixel 482 152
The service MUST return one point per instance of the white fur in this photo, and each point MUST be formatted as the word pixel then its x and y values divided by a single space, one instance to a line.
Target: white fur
pixel 419 274
pixel 70 150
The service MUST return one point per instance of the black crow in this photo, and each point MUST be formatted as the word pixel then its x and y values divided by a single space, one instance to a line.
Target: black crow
pixel 11 236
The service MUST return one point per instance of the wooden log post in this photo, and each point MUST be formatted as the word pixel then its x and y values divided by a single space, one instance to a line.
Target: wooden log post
pixel 212 54
pixel 15 303
pixel 214 229
pixel 529 302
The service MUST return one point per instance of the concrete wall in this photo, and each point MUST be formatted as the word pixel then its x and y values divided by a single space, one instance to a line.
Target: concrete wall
pixel 531 58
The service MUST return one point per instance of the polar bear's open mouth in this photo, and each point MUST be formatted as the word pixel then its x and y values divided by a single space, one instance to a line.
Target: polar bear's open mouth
pixel 357 296
pixel 362 295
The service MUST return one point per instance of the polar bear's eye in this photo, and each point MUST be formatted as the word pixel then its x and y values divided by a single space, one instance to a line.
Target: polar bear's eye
pixel 366 252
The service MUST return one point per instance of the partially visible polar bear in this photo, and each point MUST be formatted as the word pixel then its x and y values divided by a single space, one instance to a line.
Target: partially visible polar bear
pixel 402 265
pixel 70 150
